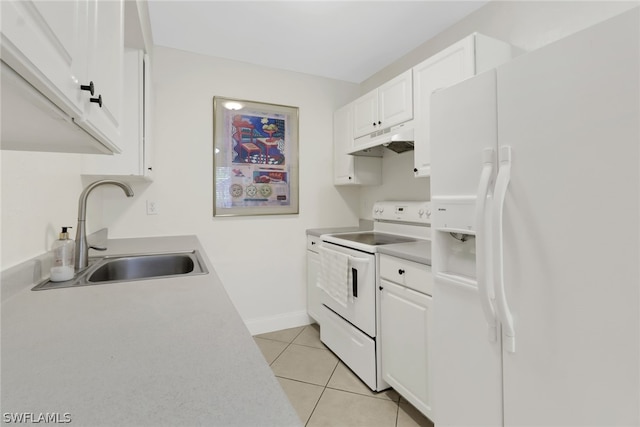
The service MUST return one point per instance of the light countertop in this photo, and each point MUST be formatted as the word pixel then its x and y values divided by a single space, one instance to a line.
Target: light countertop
pixel 170 351
pixel 419 251
pixel 329 230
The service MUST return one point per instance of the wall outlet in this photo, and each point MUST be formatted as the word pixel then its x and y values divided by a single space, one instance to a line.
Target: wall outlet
pixel 152 207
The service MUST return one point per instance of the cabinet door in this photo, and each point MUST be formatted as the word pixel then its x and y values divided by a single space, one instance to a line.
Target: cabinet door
pixel 447 67
pixel 404 337
pixel 313 292
pixel 105 69
pixel 44 42
pixel 343 172
pixel 395 101
pixel 133 161
pixel 365 114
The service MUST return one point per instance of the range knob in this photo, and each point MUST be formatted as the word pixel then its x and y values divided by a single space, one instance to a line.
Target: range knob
pixel 420 212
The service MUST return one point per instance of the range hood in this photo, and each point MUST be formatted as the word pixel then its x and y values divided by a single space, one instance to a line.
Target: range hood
pixel 397 138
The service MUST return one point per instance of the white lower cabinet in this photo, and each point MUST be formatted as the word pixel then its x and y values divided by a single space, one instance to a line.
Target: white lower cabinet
pixel 405 323
pixel 313 270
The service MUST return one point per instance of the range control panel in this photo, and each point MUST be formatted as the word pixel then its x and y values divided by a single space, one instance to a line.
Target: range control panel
pixel 415 212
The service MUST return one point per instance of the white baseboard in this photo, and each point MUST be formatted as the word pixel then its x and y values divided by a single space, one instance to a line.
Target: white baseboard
pixel 262 325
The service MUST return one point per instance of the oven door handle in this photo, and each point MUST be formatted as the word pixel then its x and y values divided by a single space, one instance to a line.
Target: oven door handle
pixel 354 282
pixel 356 264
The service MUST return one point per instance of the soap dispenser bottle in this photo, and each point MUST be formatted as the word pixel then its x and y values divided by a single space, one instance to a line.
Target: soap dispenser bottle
pixel 63 251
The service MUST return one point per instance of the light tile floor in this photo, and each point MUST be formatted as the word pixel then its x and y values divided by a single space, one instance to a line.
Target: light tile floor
pixel 323 391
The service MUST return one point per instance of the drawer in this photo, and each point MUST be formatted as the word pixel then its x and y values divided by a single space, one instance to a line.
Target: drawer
pixel 355 349
pixel 407 273
pixel 313 242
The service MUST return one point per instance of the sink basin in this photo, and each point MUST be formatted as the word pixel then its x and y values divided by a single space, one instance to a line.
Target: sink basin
pixel 141 267
pixel 127 268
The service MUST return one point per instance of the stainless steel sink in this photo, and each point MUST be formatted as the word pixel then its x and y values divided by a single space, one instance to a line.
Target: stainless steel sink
pixel 135 267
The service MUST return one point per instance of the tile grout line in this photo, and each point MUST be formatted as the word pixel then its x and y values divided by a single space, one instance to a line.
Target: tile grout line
pixel 321 394
pixel 288 345
pixel 326 386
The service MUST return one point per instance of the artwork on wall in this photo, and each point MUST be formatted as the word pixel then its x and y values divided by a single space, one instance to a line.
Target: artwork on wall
pixel 255 158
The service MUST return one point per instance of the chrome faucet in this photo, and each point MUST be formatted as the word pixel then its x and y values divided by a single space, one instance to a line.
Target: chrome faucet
pixel 82 247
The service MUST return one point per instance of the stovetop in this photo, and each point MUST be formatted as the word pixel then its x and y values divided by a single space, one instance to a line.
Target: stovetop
pixel 393 222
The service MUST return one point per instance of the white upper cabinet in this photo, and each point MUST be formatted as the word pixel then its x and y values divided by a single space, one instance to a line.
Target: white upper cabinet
pixel 105 37
pixel 466 58
pixel 343 172
pixel 134 162
pixel 388 105
pixel 45 43
pixel 56 48
pixel 348 169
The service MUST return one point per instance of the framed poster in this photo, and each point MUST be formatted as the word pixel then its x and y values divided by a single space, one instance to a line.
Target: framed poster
pixel 255 158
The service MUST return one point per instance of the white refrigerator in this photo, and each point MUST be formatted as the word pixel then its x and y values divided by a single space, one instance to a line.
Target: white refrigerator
pixel 535 189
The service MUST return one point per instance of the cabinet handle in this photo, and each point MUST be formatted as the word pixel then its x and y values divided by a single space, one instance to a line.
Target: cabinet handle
pixel 349 177
pixel 415 170
pixel 380 287
pixel 374 123
pixel 313 243
pixel 379 122
pixel 97 100
pixel 88 87
pixel 400 271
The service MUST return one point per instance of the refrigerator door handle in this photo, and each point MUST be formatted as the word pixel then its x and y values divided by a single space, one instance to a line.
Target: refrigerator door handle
pixel 483 248
pixel 500 192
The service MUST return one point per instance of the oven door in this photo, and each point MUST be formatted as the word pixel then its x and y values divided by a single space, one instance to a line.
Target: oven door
pixel 359 308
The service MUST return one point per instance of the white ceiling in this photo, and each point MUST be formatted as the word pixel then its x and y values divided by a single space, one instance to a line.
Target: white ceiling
pixel 345 40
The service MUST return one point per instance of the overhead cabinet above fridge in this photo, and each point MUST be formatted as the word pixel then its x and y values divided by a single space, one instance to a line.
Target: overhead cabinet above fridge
pixel 470 56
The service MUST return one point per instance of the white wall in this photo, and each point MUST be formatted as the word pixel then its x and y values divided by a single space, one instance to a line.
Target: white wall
pixel 261 260
pixel 528 25
pixel 40 194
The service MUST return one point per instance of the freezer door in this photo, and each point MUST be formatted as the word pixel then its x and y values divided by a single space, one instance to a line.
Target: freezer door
pixel 570 112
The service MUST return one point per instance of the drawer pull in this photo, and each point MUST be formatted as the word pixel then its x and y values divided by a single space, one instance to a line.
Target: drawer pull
pixel 400 271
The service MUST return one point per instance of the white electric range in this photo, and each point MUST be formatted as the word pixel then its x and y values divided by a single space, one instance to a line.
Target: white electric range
pixel 349 277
